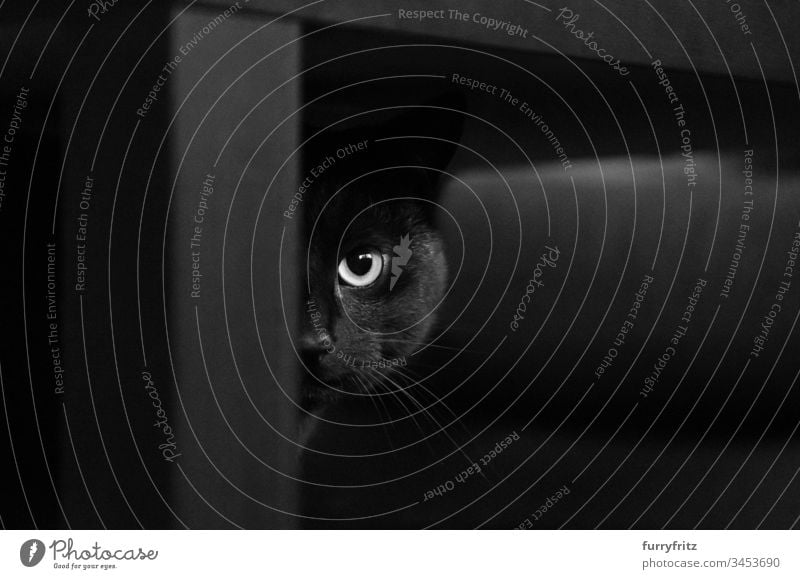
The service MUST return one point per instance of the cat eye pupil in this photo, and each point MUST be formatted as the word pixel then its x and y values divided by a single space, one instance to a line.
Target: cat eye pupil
pixel 360 263
pixel 361 268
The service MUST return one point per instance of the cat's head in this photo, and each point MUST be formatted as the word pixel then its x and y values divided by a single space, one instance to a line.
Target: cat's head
pixel 375 267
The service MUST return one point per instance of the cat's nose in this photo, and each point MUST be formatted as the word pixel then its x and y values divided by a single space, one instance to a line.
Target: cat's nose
pixel 312 347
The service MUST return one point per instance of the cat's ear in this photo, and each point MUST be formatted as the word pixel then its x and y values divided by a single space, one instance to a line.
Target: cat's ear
pixel 426 134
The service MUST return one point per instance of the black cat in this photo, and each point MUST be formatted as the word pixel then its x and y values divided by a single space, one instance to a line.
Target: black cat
pixel 375 266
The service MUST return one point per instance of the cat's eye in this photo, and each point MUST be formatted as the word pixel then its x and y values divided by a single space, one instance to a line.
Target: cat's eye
pixel 360 268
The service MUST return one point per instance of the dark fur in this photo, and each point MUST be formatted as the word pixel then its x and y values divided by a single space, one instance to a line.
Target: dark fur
pixel 362 201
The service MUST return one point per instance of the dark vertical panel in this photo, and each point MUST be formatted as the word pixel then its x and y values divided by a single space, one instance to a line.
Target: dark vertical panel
pixel 233 363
